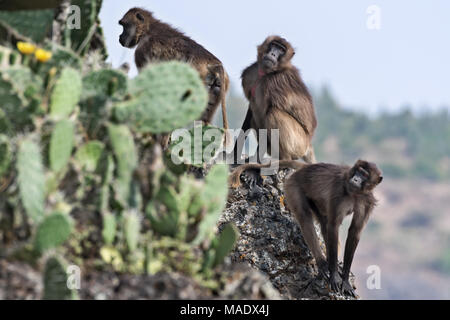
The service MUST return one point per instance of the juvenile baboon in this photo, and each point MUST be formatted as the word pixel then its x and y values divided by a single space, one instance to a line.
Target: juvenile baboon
pixel 157 41
pixel 328 193
pixel 279 100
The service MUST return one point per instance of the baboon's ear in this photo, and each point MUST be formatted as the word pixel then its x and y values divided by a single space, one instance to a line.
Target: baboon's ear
pixel 140 16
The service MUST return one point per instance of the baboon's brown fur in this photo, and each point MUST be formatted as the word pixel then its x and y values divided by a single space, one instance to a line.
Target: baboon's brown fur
pixel 157 41
pixel 280 100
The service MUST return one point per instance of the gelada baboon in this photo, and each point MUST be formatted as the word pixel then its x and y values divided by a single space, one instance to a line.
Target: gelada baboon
pixel 328 193
pixel 157 41
pixel 279 100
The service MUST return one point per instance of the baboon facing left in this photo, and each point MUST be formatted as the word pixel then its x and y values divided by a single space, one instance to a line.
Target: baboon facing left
pixel 157 41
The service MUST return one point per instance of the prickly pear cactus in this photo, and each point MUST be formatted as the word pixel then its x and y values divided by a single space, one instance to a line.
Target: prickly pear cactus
pixel 106 82
pixel 165 213
pixel 24 80
pixel 124 149
pixel 77 148
pixel 214 196
pixel 31 179
pixel 5 155
pixel 109 228
pixel 202 144
pixel 225 243
pixel 54 230
pixel 62 57
pixel 56 280
pixel 89 155
pixel 166 97
pixel 220 247
pixel 13 104
pixel 107 173
pixel 132 226
pixel 6 55
pixel 5 124
pixel 66 94
pixel 175 212
pixel 61 145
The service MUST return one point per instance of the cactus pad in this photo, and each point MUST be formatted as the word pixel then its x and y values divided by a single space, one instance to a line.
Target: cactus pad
pixel 89 155
pixel 24 80
pixel 61 57
pixel 106 82
pixel 122 143
pixel 164 213
pixel 214 197
pixel 166 96
pixel 132 230
pixel 31 179
pixel 53 232
pixel 109 228
pixel 61 145
pixel 55 280
pixel 13 102
pixel 5 155
pixel 225 243
pixel 66 93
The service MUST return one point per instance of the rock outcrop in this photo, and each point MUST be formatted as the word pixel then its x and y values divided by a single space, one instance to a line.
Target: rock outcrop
pixel 271 241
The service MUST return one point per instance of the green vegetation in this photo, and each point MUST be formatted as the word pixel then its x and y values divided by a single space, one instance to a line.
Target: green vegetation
pixel 81 173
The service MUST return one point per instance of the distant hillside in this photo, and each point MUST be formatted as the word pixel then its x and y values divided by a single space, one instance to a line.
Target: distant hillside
pixel 405 145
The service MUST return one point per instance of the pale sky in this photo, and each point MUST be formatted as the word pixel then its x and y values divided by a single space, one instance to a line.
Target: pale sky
pixel 406 62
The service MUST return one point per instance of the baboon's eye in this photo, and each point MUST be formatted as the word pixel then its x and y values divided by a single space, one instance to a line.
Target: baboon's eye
pixel 363 172
pixel 140 17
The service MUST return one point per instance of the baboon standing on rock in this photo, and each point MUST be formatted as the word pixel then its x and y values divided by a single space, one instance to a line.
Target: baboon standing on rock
pixel 279 100
pixel 157 41
pixel 328 193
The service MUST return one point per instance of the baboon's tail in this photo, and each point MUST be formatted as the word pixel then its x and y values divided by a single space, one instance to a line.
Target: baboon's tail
pixel 291 164
pixel 235 177
pixel 226 83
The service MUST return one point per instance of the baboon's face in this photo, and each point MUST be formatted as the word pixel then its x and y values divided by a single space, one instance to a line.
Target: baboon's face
pixel 274 53
pixel 364 176
pixel 131 24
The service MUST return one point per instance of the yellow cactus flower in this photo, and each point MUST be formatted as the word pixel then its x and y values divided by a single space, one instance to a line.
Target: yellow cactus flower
pixel 43 55
pixel 26 48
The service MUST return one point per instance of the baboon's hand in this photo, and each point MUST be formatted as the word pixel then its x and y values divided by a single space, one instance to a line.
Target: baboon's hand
pixel 253 178
pixel 335 281
pixel 347 288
